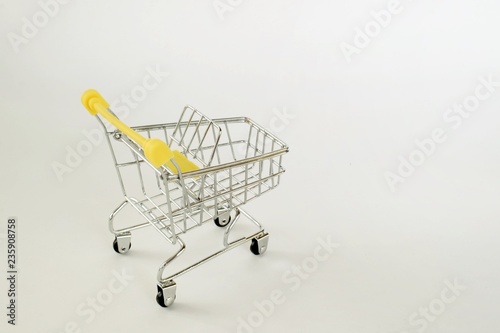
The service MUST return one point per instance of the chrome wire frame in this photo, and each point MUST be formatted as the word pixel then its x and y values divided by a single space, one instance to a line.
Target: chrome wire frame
pixel 239 161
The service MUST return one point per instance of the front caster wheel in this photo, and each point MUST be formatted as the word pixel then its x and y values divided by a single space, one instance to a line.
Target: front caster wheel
pixel 161 301
pixel 222 221
pixel 259 245
pixel 223 216
pixel 122 243
pixel 166 296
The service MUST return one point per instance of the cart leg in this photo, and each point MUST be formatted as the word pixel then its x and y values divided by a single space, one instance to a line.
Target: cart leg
pixel 259 243
pixel 122 242
pixel 112 217
pixel 252 219
pixel 167 287
pixel 163 266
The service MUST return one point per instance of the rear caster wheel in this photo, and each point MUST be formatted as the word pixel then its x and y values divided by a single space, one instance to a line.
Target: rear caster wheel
pixel 259 245
pixel 166 296
pixel 221 221
pixel 122 243
pixel 223 216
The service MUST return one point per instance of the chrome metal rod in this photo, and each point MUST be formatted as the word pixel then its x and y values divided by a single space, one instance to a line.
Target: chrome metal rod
pixel 222 167
pixel 112 217
pixel 230 246
pixel 230 227
pixel 169 260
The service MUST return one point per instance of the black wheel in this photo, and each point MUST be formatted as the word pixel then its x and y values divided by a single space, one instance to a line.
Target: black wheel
pixel 254 247
pixel 115 246
pixel 222 223
pixel 160 300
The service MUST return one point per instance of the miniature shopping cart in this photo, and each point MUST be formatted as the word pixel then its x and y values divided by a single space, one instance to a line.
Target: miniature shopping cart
pixel 180 175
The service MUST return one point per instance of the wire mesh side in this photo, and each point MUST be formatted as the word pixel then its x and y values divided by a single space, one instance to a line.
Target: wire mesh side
pixel 237 147
pixel 252 173
pixel 196 136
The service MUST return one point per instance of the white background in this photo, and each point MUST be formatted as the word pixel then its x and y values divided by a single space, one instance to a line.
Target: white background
pixel 351 123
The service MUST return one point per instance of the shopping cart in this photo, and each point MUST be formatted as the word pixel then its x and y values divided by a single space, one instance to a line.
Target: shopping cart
pixel 200 170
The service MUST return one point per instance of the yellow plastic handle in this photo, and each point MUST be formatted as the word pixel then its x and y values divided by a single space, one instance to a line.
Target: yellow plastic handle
pixel 156 151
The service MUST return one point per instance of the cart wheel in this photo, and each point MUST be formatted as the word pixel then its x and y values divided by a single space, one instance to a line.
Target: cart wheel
pixel 123 249
pixel 221 221
pixel 259 245
pixel 223 216
pixel 169 290
pixel 161 301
